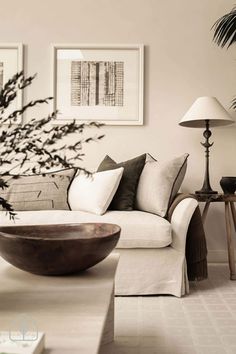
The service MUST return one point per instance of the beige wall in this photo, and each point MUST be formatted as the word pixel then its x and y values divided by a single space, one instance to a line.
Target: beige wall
pixel 181 64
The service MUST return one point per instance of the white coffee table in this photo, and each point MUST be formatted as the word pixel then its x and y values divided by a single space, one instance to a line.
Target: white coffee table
pixel 75 312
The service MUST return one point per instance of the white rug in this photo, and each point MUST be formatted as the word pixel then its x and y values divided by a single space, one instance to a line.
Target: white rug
pixel 204 322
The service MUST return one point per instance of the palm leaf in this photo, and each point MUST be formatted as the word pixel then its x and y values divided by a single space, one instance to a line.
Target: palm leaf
pixel 233 103
pixel 225 29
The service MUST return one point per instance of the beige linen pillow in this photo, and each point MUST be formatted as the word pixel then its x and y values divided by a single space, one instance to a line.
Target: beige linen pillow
pixel 94 194
pixel 159 183
pixel 39 192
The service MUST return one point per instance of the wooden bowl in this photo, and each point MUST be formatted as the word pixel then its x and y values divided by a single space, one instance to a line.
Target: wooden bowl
pixel 57 249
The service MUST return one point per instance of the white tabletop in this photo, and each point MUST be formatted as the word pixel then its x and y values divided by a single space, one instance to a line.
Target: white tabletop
pixel 70 310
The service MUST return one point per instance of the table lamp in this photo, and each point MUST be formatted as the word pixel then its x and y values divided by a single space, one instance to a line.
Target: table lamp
pixel 204 113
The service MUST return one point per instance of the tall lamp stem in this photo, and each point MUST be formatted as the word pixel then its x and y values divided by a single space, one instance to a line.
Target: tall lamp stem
pixel 206 188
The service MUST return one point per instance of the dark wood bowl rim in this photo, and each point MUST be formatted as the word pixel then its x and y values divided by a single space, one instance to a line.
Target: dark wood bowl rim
pixel 229 177
pixel 112 229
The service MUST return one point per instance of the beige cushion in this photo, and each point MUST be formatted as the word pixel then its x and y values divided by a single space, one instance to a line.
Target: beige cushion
pixel 39 192
pixel 159 183
pixel 138 229
pixel 94 193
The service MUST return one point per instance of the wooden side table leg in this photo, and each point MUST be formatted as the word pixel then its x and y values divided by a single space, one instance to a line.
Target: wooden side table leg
pixel 205 211
pixel 230 242
pixel 233 213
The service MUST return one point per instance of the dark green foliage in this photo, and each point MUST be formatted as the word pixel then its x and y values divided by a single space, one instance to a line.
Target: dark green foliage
pixel 233 105
pixel 36 146
pixel 225 34
pixel 225 29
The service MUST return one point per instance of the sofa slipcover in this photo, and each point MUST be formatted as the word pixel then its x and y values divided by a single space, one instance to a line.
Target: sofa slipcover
pixel 141 270
pixel 138 229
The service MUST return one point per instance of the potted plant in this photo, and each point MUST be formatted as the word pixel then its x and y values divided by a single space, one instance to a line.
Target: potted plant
pixel 225 34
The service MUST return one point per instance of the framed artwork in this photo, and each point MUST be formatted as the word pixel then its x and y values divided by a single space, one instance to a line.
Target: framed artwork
pixel 11 62
pixel 101 83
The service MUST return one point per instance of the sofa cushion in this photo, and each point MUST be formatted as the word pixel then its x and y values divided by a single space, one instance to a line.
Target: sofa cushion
pixel 159 184
pixel 39 192
pixel 138 229
pixel 124 197
pixel 94 193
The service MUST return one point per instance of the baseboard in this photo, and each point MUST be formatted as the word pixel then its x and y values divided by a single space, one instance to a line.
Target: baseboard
pixel 219 256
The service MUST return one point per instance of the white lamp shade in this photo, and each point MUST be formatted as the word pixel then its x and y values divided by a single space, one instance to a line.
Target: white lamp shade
pixel 206 108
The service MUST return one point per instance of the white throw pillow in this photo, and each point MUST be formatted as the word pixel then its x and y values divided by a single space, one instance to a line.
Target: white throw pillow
pixel 159 183
pixel 94 194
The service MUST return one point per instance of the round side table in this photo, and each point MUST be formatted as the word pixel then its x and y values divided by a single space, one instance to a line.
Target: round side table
pixel 228 200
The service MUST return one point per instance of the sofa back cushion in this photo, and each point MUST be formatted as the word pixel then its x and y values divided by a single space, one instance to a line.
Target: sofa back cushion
pixel 94 193
pixel 159 183
pixel 39 192
pixel 124 198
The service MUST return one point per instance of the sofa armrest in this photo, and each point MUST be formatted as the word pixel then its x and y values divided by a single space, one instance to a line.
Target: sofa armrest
pixel 180 220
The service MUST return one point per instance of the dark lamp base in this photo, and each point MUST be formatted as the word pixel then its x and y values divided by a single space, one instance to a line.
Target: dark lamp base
pixel 207 191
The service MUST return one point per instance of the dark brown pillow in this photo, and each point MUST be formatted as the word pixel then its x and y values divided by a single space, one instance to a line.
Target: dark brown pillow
pixel 125 194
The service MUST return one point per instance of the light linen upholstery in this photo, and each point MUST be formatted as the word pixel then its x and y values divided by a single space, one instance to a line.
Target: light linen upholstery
pixel 159 183
pixel 138 229
pixel 39 192
pixel 151 271
pixel 94 193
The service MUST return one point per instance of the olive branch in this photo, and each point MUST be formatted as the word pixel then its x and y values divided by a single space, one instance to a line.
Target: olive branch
pixel 37 146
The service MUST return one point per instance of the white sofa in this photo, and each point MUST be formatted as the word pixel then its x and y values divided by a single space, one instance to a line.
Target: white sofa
pixel 152 249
